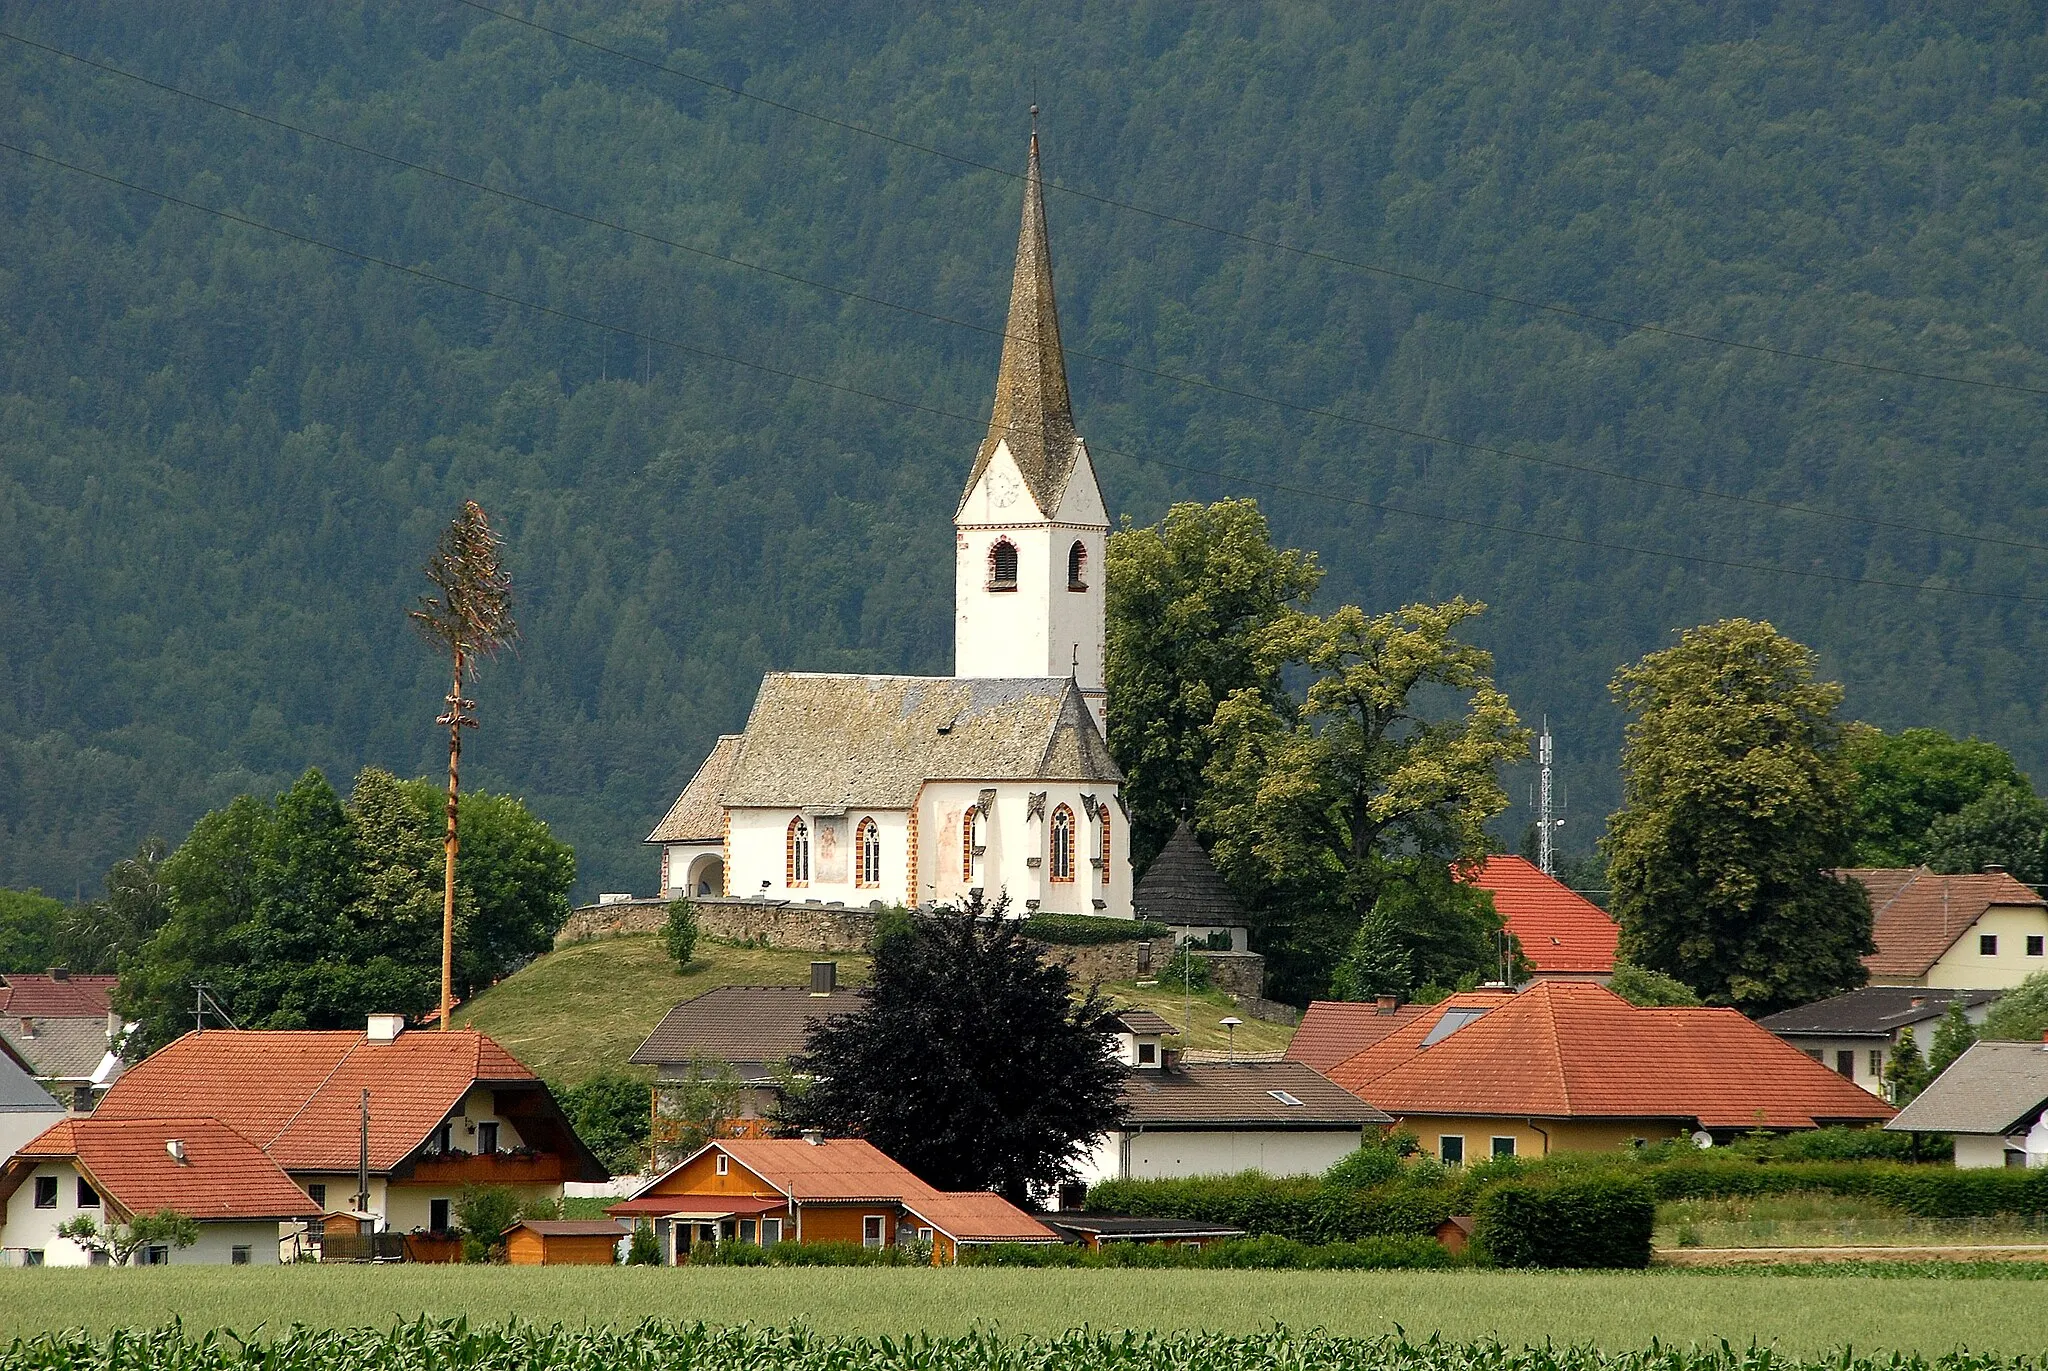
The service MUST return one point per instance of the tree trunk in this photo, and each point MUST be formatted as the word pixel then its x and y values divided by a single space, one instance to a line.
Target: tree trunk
pixel 450 844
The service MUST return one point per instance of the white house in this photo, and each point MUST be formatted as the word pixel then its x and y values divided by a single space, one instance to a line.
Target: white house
pixel 26 1109
pixel 1855 1033
pixel 1983 931
pixel 912 790
pixel 1993 1100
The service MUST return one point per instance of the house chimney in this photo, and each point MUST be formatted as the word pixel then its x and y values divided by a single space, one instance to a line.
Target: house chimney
pixel 824 977
pixel 1993 869
pixel 176 1147
pixel 815 1137
pixel 385 1028
pixel 1388 1004
pixel 28 1026
pixel 60 973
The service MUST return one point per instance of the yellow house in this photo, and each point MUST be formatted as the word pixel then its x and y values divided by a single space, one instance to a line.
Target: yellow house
pixel 1978 932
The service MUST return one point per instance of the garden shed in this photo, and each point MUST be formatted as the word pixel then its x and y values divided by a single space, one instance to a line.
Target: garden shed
pixel 563 1242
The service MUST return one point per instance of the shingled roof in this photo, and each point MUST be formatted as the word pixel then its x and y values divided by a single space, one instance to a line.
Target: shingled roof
pixel 1995 1087
pixel 830 741
pixel 741 1023
pixel 1249 1095
pixel 1182 886
pixel 698 815
pixel 1871 1011
pixel 56 993
pixel 1333 1031
pixel 132 1164
pixel 1917 915
pixel 1034 414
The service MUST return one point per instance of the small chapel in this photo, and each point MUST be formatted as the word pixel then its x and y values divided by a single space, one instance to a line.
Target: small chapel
pixel 919 790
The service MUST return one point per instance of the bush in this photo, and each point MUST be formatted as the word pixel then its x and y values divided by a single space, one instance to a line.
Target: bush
pixel 809 1254
pixel 1244 1254
pixel 1085 930
pixel 1185 968
pixel 1841 1145
pixel 1303 1209
pixel 609 1112
pixel 643 1250
pixel 484 1212
pixel 1601 1221
pixel 679 934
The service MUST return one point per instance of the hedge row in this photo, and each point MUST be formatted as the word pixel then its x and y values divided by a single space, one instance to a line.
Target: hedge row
pixel 1305 1210
pixel 1243 1254
pixel 1083 930
pixel 808 1254
pixel 1928 1191
pixel 1598 1221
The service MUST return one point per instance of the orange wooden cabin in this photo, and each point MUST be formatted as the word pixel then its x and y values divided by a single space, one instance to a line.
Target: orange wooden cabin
pixel 563 1242
pixel 771 1190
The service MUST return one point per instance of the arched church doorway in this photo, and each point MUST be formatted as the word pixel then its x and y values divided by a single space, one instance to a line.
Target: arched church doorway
pixel 707 876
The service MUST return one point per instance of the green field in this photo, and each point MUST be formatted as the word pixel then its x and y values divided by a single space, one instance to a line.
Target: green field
pixel 1615 1311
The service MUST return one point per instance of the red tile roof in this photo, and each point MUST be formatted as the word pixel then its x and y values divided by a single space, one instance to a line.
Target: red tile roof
pixel 978 1216
pixel 45 996
pixel 224 1175
pixel 298 1094
pixel 1919 915
pixel 1564 1049
pixel 1334 1030
pixel 1560 930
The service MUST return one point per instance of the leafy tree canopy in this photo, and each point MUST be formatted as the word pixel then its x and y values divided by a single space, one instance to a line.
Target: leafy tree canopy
pixel 1425 929
pixel 2021 1013
pixel 1905 781
pixel 1737 806
pixel 1952 1038
pixel 2005 826
pixel 1651 989
pixel 610 1113
pixel 971 1061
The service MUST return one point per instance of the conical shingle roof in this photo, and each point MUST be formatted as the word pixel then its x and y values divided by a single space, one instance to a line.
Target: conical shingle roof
pixel 1182 886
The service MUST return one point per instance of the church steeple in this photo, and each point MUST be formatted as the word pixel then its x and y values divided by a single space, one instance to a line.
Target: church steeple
pixel 1033 412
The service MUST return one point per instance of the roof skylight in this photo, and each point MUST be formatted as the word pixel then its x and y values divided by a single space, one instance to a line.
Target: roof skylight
pixel 1284 1098
pixel 1451 1022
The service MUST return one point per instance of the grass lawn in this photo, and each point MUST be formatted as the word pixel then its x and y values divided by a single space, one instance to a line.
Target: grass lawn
pixel 1210 1006
pixel 1616 1311
pixel 1822 1220
pixel 583 1009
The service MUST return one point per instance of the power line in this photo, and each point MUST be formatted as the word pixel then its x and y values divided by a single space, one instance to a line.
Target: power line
pixel 1164 217
pixel 1322 495
pixel 1194 382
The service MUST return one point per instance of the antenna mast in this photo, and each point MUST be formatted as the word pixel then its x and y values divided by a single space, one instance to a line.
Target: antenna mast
pixel 1546 828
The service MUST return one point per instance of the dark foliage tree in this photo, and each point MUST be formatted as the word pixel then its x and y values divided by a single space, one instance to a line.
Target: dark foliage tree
pixel 1426 929
pixel 1738 805
pixel 1906 1074
pixel 29 922
pixel 2021 1013
pixel 971 1060
pixel 2005 826
pixel 100 934
pixel 611 1113
pixel 1906 781
pixel 1952 1038
pixel 1650 988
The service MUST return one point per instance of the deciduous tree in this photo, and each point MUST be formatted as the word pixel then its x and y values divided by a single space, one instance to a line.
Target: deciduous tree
pixel 1953 1037
pixel 2005 826
pixel 2021 1013
pixel 1650 989
pixel 1737 805
pixel 1905 781
pixel 1905 1075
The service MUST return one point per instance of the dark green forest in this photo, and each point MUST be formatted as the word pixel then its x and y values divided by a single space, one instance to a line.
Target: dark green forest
pixel 224 454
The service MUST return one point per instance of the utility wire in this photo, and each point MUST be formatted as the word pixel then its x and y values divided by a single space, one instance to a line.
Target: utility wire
pixel 1193 382
pixel 1164 217
pixel 1322 495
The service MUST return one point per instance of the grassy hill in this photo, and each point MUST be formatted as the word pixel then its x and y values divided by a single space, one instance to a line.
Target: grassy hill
pixel 584 1008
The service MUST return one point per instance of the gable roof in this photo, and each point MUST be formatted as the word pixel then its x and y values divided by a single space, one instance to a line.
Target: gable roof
pixel 1871 1011
pixel 835 741
pixel 1334 1030
pixel 298 1094
pixel 1239 1095
pixel 1143 1021
pixel 977 1216
pixel 1995 1087
pixel 698 815
pixel 1033 414
pixel 224 1175
pixel 68 996
pixel 1564 1049
pixel 19 1092
pixel 60 1049
pixel 1560 930
pixel 1182 886
pixel 1917 915
pixel 741 1023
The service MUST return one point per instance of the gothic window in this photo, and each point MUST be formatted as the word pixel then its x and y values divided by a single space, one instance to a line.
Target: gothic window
pixel 1002 565
pixel 868 849
pixel 796 860
pixel 967 844
pixel 1104 816
pixel 1063 844
pixel 1077 566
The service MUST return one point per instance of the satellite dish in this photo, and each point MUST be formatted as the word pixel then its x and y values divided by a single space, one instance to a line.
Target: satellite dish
pixel 1702 1139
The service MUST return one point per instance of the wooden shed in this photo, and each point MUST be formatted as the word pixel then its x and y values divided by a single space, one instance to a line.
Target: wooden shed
pixel 563 1242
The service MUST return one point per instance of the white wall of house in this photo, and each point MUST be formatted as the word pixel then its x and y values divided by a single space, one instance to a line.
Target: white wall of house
pixel 1979 1150
pixel 1017 847
pixel 18 1126
pixel 29 1229
pixel 688 866
pixel 1967 966
pixel 1276 1152
pixel 759 849
pixel 1866 1057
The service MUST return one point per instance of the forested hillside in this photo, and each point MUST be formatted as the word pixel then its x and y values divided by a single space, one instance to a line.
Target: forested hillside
pixel 224 453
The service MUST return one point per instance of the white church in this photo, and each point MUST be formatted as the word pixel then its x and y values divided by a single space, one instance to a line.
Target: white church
pixel 919 790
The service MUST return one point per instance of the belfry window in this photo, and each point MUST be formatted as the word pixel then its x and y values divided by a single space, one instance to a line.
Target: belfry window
pixel 868 847
pixel 1002 565
pixel 796 860
pixel 1077 566
pixel 1063 844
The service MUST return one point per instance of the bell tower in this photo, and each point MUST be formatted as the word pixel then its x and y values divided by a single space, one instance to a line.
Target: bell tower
pixel 1031 529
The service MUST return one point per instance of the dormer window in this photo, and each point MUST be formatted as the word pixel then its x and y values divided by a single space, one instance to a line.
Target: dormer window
pixel 1002 565
pixel 1077 566
pixel 1148 1054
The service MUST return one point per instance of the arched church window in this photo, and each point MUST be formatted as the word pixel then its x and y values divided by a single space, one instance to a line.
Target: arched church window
pixel 1077 566
pixel 1104 816
pixel 967 843
pixel 796 859
pixel 1002 565
pixel 868 843
pixel 1063 844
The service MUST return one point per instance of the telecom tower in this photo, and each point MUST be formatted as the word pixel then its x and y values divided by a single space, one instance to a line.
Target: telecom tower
pixel 1546 855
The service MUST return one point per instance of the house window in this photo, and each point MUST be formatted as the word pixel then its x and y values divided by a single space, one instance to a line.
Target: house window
pixel 1503 1147
pixel 721 1163
pixel 238 1255
pixel 33 1256
pixel 319 1194
pixel 1987 944
pixel 871 1230
pixel 1813 1052
pixel 46 1192
pixel 868 842
pixel 1148 1053
pixel 1845 1063
pixel 1063 844
pixel 749 1232
pixel 437 1216
pixel 1002 565
pixel 1450 1149
pixel 1877 1062
pixel 796 859
pixel 771 1232
pixel 1077 566
pixel 487 1139
pixel 924 1235
pixel 2036 943
pixel 88 1198
pixel 1104 818
pixel 156 1254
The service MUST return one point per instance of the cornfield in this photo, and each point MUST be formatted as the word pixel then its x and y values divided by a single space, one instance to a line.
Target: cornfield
pixel 454 1345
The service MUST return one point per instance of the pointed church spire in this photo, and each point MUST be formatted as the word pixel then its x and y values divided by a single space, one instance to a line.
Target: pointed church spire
pixel 1033 413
